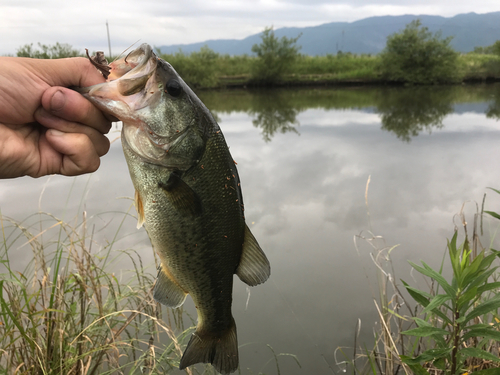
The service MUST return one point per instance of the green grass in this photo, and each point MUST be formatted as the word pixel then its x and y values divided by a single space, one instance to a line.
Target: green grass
pixel 212 70
pixel 453 328
pixel 66 313
pixel 480 66
pixel 207 69
pixel 73 309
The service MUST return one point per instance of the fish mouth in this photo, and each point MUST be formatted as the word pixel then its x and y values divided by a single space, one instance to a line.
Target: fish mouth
pixel 131 93
pixel 129 86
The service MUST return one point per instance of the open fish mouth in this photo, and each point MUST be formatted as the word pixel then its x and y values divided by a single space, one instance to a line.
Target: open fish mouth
pixel 139 91
pixel 129 82
pixel 132 63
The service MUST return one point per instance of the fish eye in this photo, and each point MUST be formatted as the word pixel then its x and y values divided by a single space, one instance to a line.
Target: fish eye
pixel 174 87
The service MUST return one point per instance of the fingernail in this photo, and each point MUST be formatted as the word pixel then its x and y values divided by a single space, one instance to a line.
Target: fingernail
pixel 55 132
pixel 57 101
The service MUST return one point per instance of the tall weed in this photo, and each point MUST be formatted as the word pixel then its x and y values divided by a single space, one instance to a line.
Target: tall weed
pixel 453 328
pixel 67 313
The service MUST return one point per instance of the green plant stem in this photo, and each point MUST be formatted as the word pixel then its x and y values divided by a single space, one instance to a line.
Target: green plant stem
pixel 456 338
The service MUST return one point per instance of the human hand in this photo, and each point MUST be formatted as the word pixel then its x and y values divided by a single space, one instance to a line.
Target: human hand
pixel 45 127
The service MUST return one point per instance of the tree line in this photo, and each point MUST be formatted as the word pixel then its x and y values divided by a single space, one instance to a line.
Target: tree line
pixel 413 56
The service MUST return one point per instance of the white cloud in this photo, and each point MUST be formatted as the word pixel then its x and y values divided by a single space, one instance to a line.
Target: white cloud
pixel 82 23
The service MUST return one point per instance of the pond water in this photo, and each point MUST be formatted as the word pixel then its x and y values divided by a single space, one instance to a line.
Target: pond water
pixel 305 157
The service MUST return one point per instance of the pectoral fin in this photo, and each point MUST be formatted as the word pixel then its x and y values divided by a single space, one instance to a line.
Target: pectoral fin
pixel 254 268
pixel 140 209
pixel 166 291
pixel 180 195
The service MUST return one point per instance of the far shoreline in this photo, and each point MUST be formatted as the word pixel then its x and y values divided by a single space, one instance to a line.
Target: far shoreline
pixel 239 82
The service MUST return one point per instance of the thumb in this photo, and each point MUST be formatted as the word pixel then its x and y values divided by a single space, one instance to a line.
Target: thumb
pixel 73 71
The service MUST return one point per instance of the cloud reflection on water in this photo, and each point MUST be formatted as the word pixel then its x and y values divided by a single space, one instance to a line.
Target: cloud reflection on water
pixel 304 194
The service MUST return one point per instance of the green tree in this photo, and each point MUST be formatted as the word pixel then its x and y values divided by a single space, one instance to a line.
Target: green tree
pixel 275 57
pixel 44 51
pixel 494 49
pixel 417 56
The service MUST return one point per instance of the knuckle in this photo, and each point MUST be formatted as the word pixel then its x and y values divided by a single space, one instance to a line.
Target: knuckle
pixel 93 165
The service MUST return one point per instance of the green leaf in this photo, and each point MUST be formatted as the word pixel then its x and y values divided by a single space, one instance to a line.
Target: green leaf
pixel 488 333
pixel 440 363
pixel 484 308
pixel 495 190
pixel 421 298
pixel 436 302
pixel 471 270
pixel 490 371
pixel 428 355
pixel 418 295
pixel 481 279
pixel 422 323
pixel 479 353
pixel 494 214
pixel 417 368
pixel 488 286
pixel 17 323
pixel 465 254
pixel 466 299
pixel 428 271
pixel 452 250
pixel 426 331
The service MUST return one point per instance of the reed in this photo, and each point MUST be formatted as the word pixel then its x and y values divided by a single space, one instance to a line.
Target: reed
pixel 74 310
pixel 66 313
pixel 452 328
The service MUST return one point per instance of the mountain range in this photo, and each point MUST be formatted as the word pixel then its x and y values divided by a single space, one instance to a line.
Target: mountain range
pixel 368 35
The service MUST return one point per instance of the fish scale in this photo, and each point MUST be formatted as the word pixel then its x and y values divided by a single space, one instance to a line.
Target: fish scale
pixel 188 197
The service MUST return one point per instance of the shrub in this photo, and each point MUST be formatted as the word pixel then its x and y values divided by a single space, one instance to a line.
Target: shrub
pixel 275 57
pixel 417 56
pixel 44 51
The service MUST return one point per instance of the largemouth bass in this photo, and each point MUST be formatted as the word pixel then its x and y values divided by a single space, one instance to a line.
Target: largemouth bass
pixel 187 195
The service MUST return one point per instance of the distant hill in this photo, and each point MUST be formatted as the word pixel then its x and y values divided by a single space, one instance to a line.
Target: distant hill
pixel 368 35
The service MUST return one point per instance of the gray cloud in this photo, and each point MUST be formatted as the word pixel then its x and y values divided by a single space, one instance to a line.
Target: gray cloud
pixel 82 24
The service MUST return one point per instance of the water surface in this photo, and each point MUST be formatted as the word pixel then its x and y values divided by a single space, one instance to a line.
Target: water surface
pixel 304 158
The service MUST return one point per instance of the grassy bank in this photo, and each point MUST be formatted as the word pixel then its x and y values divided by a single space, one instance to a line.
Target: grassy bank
pixel 67 313
pixel 207 69
pixel 73 303
pixel 450 328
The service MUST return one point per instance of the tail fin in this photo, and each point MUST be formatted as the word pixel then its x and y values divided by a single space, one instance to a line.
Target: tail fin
pixel 221 350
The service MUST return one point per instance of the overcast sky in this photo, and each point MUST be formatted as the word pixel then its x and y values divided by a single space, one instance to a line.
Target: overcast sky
pixel 83 23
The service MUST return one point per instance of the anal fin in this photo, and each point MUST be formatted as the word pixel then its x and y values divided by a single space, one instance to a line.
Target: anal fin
pixel 254 267
pixel 167 291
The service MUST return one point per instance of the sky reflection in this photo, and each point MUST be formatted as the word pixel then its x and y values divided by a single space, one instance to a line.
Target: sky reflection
pixel 304 194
